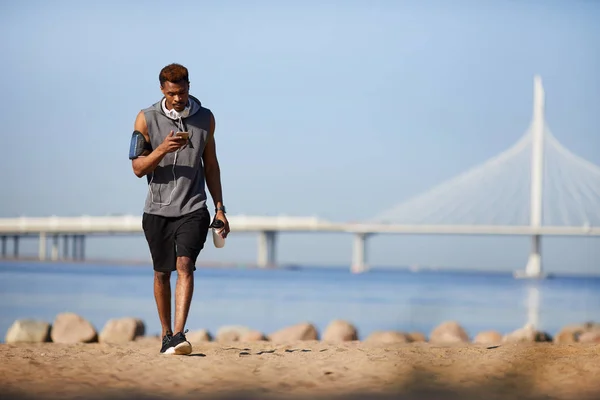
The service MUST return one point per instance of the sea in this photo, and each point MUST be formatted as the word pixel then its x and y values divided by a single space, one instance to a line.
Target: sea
pixel 270 299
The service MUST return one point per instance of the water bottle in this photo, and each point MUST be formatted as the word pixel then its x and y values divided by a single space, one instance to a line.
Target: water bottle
pixel 217 227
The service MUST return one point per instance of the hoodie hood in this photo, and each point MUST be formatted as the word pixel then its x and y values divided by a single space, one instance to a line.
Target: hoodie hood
pixel 192 108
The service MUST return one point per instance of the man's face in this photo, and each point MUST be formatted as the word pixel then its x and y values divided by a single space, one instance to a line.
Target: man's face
pixel 176 94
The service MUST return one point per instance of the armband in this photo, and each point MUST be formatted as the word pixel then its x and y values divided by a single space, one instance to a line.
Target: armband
pixel 138 145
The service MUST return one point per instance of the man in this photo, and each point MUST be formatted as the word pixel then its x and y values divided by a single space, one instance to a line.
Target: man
pixel 173 145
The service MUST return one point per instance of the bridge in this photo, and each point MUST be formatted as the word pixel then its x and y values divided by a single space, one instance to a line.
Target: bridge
pixel 535 188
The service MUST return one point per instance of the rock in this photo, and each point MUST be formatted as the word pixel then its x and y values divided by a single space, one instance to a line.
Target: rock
pixel 122 330
pixel 28 331
pixel 340 331
pixel 71 328
pixel 526 334
pixel 201 335
pixel 301 331
pixel 541 336
pixel 567 336
pixel 416 337
pixel 231 333
pixel 488 337
pixel 592 336
pixel 252 336
pixel 573 333
pixel 449 332
pixel 385 337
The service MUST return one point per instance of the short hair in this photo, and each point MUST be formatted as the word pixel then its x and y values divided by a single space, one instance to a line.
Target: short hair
pixel 173 73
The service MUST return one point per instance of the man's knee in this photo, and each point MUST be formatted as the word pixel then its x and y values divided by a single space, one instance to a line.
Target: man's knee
pixel 185 266
pixel 162 277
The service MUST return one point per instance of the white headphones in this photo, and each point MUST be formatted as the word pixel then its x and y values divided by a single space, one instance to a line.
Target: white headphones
pixel 174 114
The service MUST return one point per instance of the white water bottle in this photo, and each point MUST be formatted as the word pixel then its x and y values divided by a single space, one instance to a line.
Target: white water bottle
pixel 217 227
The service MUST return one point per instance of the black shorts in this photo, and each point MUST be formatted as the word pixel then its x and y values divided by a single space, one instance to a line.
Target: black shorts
pixel 172 237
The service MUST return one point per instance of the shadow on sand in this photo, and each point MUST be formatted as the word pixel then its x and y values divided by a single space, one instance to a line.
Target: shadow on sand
pixel 420 384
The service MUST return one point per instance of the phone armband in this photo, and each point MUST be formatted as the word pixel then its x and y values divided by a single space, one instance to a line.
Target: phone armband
pixel 138 145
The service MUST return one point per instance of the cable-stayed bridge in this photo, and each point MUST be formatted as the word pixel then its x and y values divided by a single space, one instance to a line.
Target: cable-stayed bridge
pixel 535 188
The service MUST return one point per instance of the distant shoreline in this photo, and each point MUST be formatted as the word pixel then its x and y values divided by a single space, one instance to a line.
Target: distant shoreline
pixel 125 262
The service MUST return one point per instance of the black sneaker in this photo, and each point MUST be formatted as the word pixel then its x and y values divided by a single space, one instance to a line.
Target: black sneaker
pixel 166 342
pixel 178 345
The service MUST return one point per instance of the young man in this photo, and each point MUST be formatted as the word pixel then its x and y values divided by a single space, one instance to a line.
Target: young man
pixel 173 145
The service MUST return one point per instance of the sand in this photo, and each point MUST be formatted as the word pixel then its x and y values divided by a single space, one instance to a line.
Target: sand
pixel 301 370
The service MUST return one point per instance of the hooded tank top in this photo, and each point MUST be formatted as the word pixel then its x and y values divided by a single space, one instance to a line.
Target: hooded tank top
pixel 177 186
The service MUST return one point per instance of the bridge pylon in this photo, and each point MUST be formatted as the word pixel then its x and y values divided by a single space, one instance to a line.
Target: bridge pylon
pixel 534 269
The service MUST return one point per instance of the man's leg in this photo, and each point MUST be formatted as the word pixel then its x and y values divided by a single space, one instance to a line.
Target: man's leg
pixel 159 235
pixel 190 235
pixel 184 291
pixel 162 295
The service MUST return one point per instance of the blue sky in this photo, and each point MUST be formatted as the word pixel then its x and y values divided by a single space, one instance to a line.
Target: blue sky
pixel 336 109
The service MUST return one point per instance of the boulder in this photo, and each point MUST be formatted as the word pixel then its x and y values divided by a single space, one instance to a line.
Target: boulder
pixel 340 331
pixel 416 337
pixel 448 332
pixel 28 331
pixel 122 330
pixel 573 333
pixel 231 333
pixel 301 331
pixel 590 337
pixel 567 336
pixel 488 337
pixel 201 335
pixel 70 328
pixel 252 336
pixel 385 337
pixel 526 334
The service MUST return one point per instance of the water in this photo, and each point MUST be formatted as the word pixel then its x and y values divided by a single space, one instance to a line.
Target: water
pixel 267 300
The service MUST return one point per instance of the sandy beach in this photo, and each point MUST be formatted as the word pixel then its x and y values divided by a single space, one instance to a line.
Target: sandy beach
pixel 301 370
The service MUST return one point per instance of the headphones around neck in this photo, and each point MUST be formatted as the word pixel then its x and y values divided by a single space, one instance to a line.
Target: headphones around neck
pixel 174 114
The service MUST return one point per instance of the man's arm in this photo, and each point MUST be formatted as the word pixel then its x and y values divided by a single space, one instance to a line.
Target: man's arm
pixel 148 161
pixel 212 171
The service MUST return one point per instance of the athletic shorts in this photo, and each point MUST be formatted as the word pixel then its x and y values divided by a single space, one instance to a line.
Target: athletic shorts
pixel 172 237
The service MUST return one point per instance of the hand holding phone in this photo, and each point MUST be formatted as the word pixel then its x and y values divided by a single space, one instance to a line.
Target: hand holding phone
pixel 183 135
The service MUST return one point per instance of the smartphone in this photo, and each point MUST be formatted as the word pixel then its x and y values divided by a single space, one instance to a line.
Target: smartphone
pixel 185 135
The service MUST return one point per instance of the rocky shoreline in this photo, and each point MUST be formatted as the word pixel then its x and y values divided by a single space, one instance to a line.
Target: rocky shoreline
pixel 71 328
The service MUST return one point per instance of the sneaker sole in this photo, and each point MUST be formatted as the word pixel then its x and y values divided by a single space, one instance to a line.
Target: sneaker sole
pixel 181 349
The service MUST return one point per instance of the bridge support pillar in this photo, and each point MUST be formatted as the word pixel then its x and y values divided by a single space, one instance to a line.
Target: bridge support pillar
pixel 4 238
pixel 54 252
pixel 65 247
pixel 16 247
pixel 359 253
pixel 74 249
pixel 266 249
pixel 78 247
pixel 42 246
pixel 81 247
pixel 534 263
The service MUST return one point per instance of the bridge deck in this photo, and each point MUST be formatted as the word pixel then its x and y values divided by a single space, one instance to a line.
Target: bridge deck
pixel 132 224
